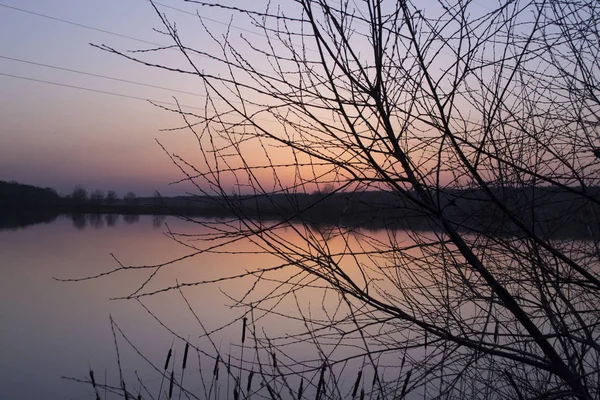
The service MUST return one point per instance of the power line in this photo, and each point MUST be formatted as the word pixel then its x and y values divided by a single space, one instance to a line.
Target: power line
pixel 113 93
pixel 126 36
pixel 97 91
pixel 79 25
pixel 107 31
pixel 99 76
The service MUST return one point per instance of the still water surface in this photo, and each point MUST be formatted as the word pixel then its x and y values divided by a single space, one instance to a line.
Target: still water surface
pixel 51 329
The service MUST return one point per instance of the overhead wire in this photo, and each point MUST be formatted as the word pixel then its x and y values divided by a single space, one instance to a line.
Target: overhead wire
pixel 162 46
pixel 127 36
pixel 103 76
pixel 79 25
pixel 97 91
pixel 99 76
pixel 106 92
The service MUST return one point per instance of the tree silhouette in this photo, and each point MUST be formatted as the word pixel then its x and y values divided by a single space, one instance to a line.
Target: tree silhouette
pixel 480 120
pixel 97 197
pixel 111 197
pixel 130 198
pixel 79 195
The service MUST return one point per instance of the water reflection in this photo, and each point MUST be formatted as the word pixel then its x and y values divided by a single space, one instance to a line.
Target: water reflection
pixel 158 220
pixel 80 221
pixel 99 221
pixel 111 219
pixel 15 220
pixel 65 327
pixel 131 218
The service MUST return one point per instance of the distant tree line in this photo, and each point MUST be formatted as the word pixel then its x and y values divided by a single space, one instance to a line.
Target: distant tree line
pixel 558 211
pixel 18 195
pixel 14 194
pixel 80 195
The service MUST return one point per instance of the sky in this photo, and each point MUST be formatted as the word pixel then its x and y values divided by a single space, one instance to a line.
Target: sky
pixel 56 136
pixel 73 114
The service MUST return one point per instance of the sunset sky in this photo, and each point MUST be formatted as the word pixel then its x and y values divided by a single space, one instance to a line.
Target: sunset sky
pixel 59 136
pixel 73 114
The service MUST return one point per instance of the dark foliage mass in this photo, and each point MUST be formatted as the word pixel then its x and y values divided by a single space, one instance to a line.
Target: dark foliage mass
pixel 14 194
pixel 558 211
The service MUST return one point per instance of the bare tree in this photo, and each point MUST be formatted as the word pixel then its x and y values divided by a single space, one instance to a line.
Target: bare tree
pixel 97 197
pixel 130 198
pixel 79 195
pixel 477 122
pixel 111 197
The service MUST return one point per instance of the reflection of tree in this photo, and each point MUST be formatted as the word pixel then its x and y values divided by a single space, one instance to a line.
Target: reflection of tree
pixel 96 221
pixel 131 218
pixel 111 219
pixel 157 220
pixel 79 220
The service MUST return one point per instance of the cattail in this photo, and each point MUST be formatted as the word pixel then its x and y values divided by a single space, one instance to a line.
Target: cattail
pixel 274 360
pixel 356 383
pixel 184 364
pixel 94 384
pixel 321 380
pixel 168 359
pixel 185 354
pixel 244 321
pixel 496 333
pixel 236 394
pixel 362 394
pixel 124 390
pixel 92 379
pixel 139 396
pixel 216 369
pixel 301 389
pixel 405 384
pixel 229 364
pixel 171 384
pixel 249 385
pixel 425 340
pixel 162 380
pixel 374 378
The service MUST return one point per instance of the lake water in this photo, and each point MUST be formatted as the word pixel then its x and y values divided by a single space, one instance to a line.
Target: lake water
pixel 52 329
pixel 53 332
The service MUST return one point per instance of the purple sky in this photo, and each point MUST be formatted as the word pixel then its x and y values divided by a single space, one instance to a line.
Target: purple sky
pixel 61 137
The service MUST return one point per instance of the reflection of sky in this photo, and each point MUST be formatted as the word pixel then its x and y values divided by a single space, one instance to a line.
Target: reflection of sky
pixel 50 329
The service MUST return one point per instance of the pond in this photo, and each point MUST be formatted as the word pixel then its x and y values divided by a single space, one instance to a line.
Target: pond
pixel 54 330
